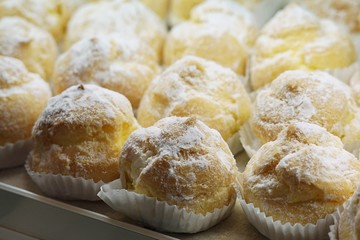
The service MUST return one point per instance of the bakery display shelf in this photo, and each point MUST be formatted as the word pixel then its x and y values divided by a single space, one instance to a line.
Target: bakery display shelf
pixel 25 213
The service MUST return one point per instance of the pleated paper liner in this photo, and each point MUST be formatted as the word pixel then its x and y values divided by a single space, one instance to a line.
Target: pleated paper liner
pixel 235 144
pixel 353 147
pixel 356 40
pixel 15 154
pixel 158 214
pixel 344 74
pixel 276 230
pixel 249 141
pixel 65 187
pixel 333 234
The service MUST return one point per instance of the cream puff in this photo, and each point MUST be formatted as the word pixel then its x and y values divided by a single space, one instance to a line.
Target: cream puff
pixel 302 176
pixel 35 47
pixel 314 97
pixel 126 17
pixel 181 161
pixel 296 39
pixel 221 31
pixel 195 87
pixel 122 64
pixel 46 14
pixel 81 132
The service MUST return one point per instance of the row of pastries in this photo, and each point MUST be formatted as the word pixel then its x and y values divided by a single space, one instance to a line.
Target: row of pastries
pixel 104 96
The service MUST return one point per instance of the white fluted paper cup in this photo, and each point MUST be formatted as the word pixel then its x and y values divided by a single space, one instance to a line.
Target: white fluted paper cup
pixel 158 214
pixel 249 141
pixel 333 234
pixel 276 230
pixel 235 144
pixel 344 74
pixel 353 147
pixel 66 187
pixel 15 154
pixel 265 10
pixel 356 40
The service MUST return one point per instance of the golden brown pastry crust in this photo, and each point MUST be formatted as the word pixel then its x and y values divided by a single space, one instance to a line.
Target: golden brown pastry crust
pixel 81 133
pixel 296 39
pixel 221 31
pixel 122 64
pixel 199 88
pixel 302 176
pixel 23 96
pixel 180 161
pixel 127 17
pixel 314 97
pixel 29 43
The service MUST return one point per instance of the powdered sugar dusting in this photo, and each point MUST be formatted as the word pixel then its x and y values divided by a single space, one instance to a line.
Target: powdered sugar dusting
pixel 182 93
pixel 313 164
pixel 304 96
pixel 69 106
pixel 188 146
pixel 12 72
pixel 127 17
pixel 344 12
pixel 297 39
pixel 305 156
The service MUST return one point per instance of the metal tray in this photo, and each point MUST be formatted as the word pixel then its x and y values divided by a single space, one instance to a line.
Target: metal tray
pixel 25 213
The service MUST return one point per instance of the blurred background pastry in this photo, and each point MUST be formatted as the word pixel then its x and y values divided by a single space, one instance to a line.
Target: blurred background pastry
pixel 262 9
pixel 302 176
pixel 296 39
pixel 198 88
pixel 126 17
pixel 314 97
pixel 180 161
pixel 23 96
pixel 222 31
pixel 343 12
pixel 47 14
pixel 160 7
pixel 180 10
pixel 81 133
pixel 29 43
pixel 123 64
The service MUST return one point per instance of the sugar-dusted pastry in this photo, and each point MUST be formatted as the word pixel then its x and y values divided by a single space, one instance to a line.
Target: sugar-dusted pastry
pixel 221 31
pixel 29 43
pixel 160 7
pixel 180 10
pixel 345 12
pixel 314 97
pixel 302 176
pixel 46 14
pixel 199 88
pixel 122 64
pixel 81 133
pixel 125 17
pixel 349 223
pixel 180 161
pixel 23 96
pixel 296 39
